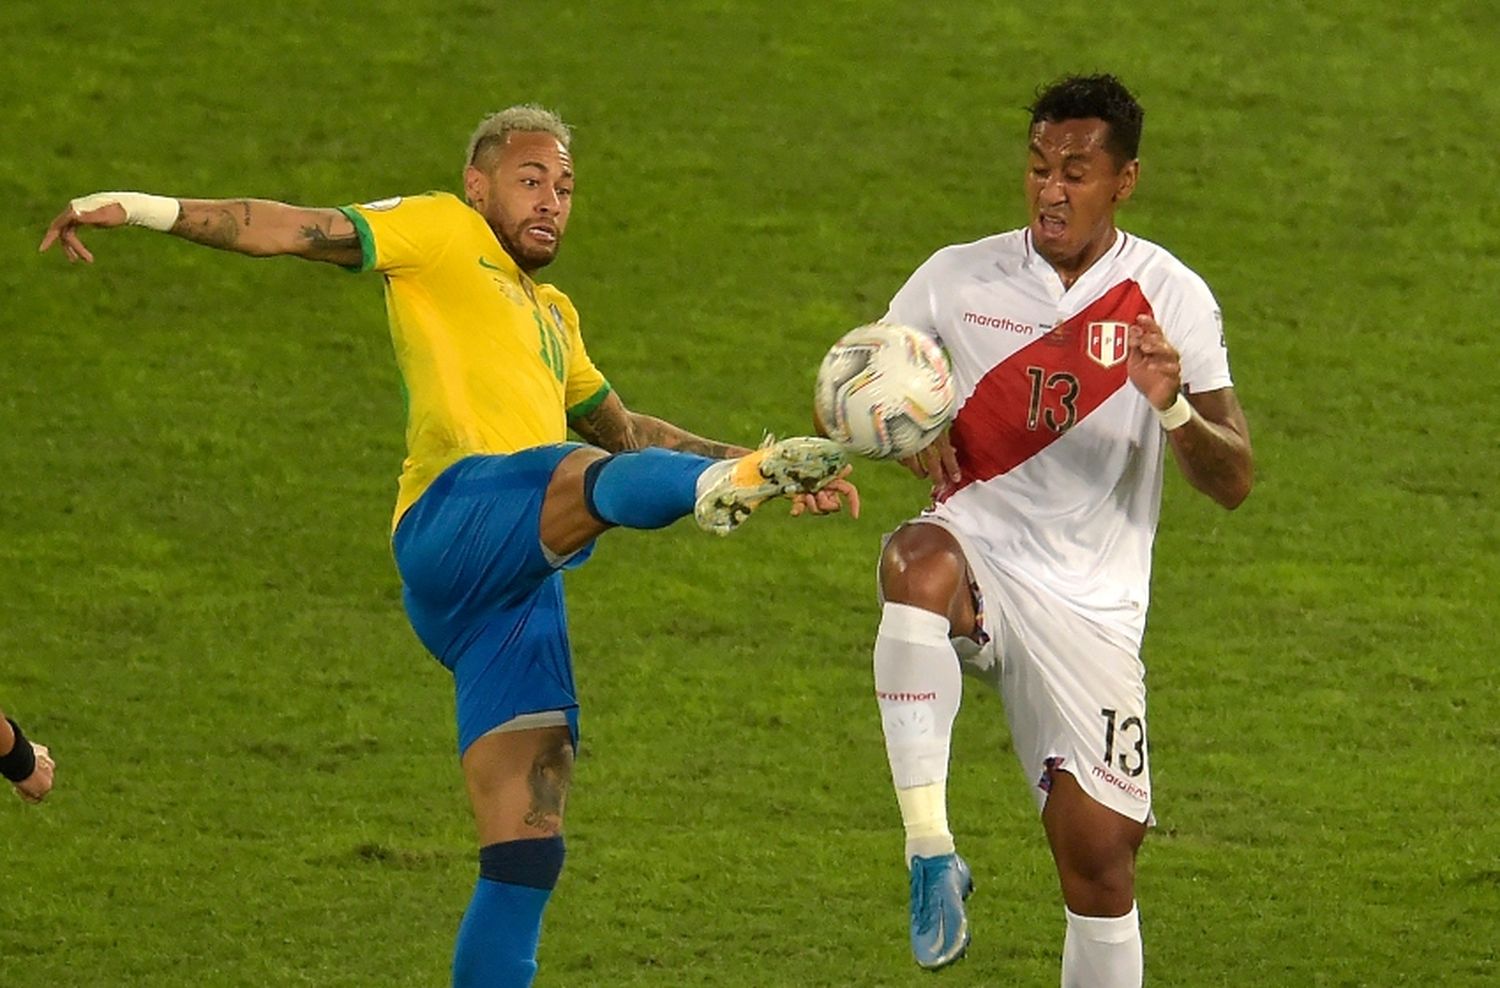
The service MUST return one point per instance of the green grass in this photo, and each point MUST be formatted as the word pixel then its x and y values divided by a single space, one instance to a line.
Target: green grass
pixel 257 782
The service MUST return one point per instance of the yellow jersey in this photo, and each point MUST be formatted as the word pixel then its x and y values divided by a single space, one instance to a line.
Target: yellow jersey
pixel 491 361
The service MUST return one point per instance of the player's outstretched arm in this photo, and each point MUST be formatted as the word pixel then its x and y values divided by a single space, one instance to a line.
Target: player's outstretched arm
pixel 254 227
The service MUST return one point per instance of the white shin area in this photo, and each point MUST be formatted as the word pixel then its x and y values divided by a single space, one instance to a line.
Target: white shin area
pixel 918 685
pixel 1102 951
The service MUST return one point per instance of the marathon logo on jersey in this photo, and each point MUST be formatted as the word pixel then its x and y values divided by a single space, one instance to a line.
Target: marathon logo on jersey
pixel 1105 342
pixel 999 322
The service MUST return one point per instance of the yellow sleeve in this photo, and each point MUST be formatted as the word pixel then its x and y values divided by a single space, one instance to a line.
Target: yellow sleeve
pixel 402 234
pixel 586 387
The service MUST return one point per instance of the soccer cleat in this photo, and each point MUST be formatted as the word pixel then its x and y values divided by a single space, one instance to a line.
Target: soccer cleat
pixel 939 928
pixel 730 490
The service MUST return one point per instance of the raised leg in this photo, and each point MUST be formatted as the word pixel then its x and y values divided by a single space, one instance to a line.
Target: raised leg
pixel 924 579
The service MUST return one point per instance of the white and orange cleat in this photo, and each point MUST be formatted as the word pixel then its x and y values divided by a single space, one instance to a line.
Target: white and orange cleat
pixel 729 491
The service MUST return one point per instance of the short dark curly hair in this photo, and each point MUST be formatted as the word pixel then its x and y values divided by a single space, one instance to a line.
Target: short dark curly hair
pixel 1080 97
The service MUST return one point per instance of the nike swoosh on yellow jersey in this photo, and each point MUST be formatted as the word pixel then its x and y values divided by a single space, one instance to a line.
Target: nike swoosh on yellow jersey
pixel 486 264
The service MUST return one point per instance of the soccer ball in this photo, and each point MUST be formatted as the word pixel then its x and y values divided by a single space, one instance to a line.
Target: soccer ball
pixel 885 391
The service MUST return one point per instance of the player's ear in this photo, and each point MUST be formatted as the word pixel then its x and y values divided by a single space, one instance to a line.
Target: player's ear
pixel 1125 180
pixel 475 185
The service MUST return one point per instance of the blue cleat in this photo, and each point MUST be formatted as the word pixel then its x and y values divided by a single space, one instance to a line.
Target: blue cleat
pixel 939 928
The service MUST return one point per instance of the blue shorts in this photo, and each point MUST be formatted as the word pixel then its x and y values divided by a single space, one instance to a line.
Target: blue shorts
pixel 482 593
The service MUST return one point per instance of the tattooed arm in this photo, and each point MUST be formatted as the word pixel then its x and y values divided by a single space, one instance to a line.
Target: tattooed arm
pixel 261 228
pixel 616 428
pixel 255 227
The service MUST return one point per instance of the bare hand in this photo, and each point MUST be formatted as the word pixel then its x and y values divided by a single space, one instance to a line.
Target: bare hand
pixel 1152 363
pixel 64 229
pixel 938 462
pixel 830 499
pixel 34 787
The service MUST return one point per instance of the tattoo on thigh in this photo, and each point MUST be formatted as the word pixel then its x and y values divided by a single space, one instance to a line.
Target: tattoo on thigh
pixel 550 774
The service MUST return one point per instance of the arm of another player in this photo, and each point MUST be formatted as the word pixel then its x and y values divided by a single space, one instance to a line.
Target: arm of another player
pixel 254 227
pixel 29 769
pixel 615 428
pixel 1212 446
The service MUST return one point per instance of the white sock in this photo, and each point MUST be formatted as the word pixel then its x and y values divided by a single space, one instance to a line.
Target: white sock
pixel 924 814
pixel 918 685
pixel 1102 952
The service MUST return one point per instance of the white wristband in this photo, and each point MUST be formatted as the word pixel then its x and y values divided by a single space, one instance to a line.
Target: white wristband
pixel 1176 414
pixel 151 212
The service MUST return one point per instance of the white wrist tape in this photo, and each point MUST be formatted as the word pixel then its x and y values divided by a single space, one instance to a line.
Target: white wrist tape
pixel 1176 414
pixel 151 212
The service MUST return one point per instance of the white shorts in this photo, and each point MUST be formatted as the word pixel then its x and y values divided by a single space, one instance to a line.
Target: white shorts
pixel 1074 691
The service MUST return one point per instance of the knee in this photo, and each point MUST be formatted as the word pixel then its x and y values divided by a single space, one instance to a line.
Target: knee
pixel 923 566
pixel 1102 870
pixel 1098 874
pixel 1094 848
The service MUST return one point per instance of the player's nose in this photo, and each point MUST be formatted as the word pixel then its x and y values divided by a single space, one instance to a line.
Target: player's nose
pixel 1054 190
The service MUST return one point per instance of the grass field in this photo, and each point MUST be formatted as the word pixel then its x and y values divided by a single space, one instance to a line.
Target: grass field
pixel 257 783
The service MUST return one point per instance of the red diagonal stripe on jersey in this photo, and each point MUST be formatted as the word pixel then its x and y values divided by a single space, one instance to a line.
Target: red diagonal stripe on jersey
pixel 994 431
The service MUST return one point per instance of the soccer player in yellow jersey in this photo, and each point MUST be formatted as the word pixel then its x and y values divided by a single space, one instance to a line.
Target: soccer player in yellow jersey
pixel 493 502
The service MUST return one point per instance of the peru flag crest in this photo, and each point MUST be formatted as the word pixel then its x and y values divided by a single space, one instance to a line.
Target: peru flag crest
pixel 1105 342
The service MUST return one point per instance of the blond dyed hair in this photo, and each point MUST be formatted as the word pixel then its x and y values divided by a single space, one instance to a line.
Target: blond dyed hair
pixel 523 118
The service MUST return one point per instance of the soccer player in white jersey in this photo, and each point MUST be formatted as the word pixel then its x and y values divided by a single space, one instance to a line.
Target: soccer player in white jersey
pixel 1082 353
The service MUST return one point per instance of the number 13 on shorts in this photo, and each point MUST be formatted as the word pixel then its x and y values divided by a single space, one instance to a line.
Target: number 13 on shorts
pixel 1124 742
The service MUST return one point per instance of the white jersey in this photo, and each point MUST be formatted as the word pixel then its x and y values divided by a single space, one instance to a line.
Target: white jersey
pixel 1061 456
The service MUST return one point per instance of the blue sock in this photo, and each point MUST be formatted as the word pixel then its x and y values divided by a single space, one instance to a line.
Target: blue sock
pixel 497 939
pixel 646 488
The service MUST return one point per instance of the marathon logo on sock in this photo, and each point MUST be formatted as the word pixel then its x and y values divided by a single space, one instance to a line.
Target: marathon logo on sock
pixel 905 697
